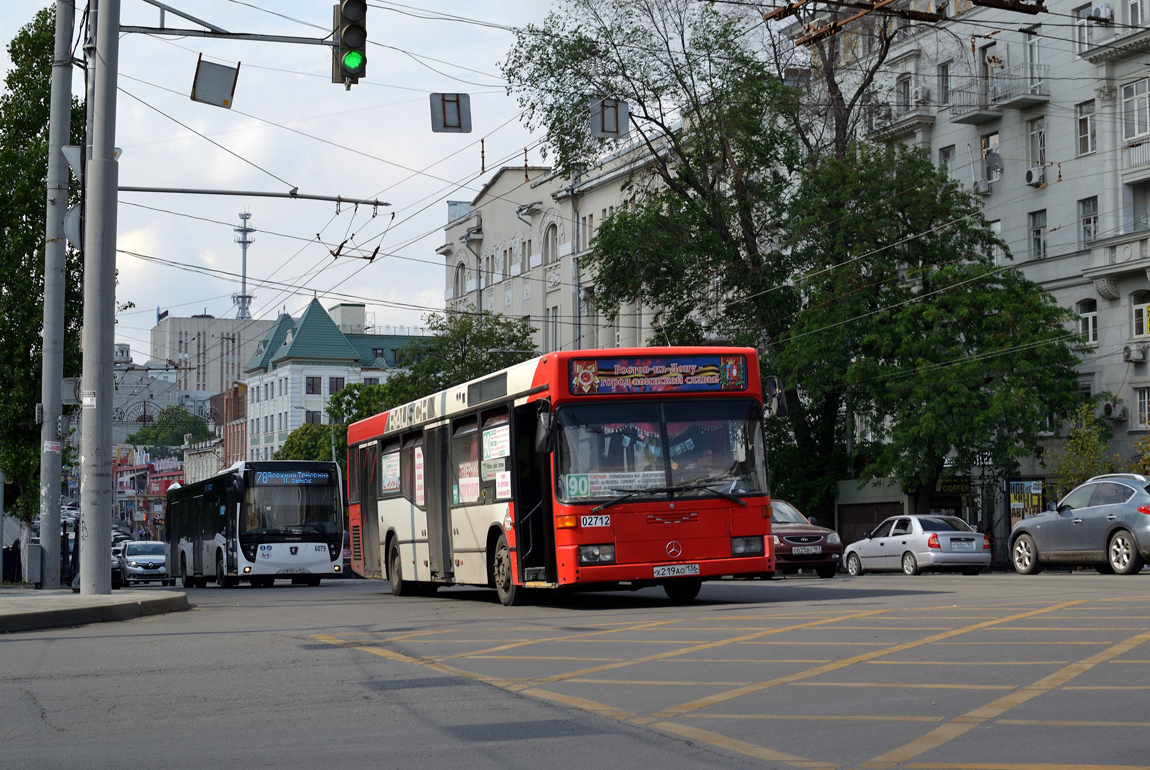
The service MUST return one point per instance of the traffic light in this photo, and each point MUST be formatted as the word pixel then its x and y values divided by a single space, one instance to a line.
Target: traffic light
pixel 349 56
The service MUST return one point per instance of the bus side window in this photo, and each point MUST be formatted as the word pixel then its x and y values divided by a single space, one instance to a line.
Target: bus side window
pixel 353 464
pixel 465 462
pixel 495 460
pixel 407 469
pixel 389 474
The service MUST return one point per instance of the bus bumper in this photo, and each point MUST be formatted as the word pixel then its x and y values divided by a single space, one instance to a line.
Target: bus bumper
pixel 658 572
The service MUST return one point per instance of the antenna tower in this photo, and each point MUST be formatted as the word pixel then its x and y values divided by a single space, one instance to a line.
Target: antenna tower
pixel 243 300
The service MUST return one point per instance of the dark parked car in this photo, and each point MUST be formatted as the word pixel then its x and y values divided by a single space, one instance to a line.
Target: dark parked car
pixel 1104 523
pixel 801 544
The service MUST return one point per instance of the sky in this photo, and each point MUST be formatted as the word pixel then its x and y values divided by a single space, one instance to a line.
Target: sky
pixel 290 126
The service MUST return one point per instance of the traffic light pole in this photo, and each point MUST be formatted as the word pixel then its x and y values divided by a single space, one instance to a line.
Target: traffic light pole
pixel 97 488
pixel 55 283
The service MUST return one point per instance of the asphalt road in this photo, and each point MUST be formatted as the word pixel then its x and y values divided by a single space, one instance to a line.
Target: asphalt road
pixel 935 671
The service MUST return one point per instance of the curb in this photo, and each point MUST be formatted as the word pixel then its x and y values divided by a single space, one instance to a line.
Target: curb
pixel 106 613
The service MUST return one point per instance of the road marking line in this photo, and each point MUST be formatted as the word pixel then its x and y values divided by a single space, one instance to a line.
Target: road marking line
pixel 740 747
pixel 816 718
pixel 968 721
pixel 696 648
pixel 979 663
pixel 903 685
pixel 711 700
pixel 1068 723
pixel 569 638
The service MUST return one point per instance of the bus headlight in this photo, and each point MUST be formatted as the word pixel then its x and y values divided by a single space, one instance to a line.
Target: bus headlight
pixel 746 546
pixel 597 554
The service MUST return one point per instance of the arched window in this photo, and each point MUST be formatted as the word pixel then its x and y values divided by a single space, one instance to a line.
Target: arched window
pixel 459 281
pixel 1140 304
pixel 550 244
pixel 1088 320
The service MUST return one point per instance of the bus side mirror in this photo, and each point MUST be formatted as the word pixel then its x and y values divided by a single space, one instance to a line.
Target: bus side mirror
pixel 776 397
pixel 544 436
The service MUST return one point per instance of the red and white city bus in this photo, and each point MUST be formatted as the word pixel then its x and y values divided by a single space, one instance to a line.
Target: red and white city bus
pixel 592 468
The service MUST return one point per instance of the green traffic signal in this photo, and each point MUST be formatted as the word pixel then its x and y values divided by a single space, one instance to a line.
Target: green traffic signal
pixel 354 61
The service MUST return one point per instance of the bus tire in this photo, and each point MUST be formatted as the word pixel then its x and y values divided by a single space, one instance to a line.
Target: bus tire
pixel 312 581
pixel 221 573
pixel 682 590
pixel 186 581
pixel 399 586
pixel 510 595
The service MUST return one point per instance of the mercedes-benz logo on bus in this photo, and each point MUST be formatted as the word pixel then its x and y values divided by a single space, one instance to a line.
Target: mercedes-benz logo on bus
pixel 674 549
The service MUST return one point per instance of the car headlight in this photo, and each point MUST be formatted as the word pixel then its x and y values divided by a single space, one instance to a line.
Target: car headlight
pixel 776 539
pixel 746 546
pixel 597 554
pixel 833 539
pixel 132 564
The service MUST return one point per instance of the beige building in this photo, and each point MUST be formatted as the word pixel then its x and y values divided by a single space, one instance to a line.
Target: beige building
pixel 208 353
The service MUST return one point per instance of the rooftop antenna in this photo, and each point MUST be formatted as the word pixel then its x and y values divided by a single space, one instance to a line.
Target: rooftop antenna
pixel 243 300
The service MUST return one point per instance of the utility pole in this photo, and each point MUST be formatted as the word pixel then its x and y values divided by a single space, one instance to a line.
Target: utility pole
pixel 55 282
pixel 98 386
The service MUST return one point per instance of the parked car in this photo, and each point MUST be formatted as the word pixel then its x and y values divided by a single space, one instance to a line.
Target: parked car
pixel 1104 522
pixel 917 543
pixel 801 544
pixel 145 561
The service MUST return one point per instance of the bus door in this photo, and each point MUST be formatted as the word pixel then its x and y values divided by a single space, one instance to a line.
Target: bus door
pixel 435 459
pixel 368 478
pixel 196 533
pixel 534 522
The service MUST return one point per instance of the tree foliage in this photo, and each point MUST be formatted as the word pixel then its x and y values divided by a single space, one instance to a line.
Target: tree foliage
pixel 316 442
pixel 24 118
pixel 172 425
pixel 1084 454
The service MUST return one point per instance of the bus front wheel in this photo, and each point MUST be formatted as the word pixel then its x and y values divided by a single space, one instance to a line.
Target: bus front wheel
pixel 510 595
pixel 399 586
pixel 222 578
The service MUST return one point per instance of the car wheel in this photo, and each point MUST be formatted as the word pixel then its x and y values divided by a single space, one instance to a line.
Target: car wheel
pixel 682 590
pixel 1024 556
pixel 1123 553
pixel 510 595
pixel 909 564
pixel 827 570
pixel 854 565
pixel 399 586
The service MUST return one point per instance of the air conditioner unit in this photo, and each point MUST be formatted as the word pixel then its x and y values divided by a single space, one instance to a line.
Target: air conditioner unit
pixel 1035 176
pixel 1103 14
pixel 1114 411
pixel 921 94
pixel 1133 354
pixel 981 186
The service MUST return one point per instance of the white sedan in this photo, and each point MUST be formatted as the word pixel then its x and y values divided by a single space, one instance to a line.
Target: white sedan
pixel 917 543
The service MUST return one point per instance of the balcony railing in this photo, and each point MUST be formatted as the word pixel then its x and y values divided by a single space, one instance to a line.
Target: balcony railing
pixel 970 102
pixel 1020 85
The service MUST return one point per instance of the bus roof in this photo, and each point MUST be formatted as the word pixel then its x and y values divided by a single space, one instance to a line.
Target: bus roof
pixel 570 375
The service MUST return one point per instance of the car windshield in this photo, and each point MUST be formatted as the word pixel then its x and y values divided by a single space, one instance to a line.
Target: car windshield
pixel 943 524
pixel 692 447
pixel 144 549
pixel 785 513
pixel 291 510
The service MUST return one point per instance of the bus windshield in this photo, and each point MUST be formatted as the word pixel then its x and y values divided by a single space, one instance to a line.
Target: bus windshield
pixel 291 510
pixel 681 447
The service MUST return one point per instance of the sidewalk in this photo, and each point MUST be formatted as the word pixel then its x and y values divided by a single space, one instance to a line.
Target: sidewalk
pixel 23 608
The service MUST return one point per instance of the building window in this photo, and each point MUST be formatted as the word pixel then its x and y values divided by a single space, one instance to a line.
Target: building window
pixel 311 417
pixel 1135 109
pixel 551 244
pixel 369 381
pixel 1038 142
pixel 551 329
pixel 459 281
pixel 334 385
pixel 1142 397
pixel 1134 11
pixel 902 103
pixel 1038 234
pixel 1088 219
pixel 992 161
pixel 313 386
pixel 996 249
pixel 1083 29
pixel 1086 140
pixel 1139 302
pixel 944 83
pixel 946 158
pixel 1088 320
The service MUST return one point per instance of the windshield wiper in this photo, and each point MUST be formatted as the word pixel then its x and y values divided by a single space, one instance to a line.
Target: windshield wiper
pixel 709 486
pixel 627 494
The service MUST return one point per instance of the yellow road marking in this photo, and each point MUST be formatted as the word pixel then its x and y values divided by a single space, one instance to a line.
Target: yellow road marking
pixel 711 700
pixel 697 648
pixel 900 686
pixel 543 657
pixel 741 747
pixel 1068 723
pixel 1110 687
pixel 654 682
pixel 568 638
pixel 968 721
pixel 816 718
pixel 979 663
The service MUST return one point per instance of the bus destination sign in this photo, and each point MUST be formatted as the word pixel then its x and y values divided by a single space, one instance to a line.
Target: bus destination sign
pixel 292 478
pixel 600 376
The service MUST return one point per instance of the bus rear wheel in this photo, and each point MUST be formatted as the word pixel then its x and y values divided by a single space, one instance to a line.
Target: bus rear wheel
pixel 510 595
pixel 399 586
pixel 683 589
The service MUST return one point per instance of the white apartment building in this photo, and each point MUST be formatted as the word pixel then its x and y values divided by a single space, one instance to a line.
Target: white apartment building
pixel 206 353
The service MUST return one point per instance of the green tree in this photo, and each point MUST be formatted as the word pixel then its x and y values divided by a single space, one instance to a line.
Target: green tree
pixel 315 442
pixel 1084 454
pixel 172 424
pixel 24 113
